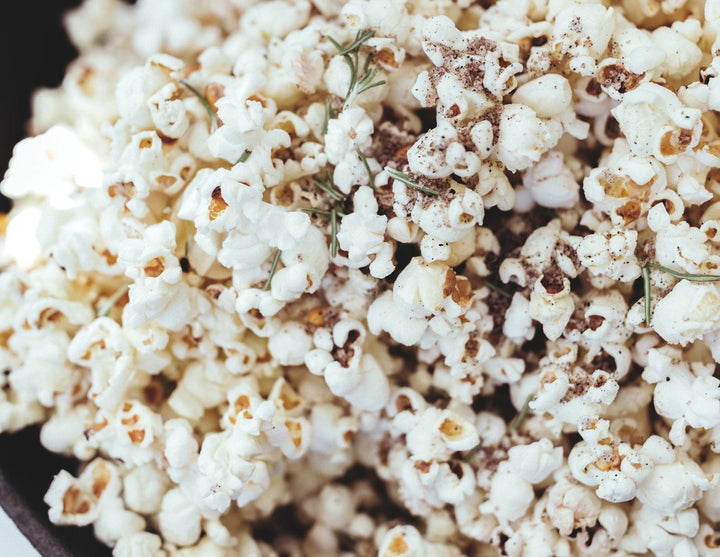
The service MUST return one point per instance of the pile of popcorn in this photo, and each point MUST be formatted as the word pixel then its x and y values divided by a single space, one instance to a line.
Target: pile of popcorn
pixel 374 277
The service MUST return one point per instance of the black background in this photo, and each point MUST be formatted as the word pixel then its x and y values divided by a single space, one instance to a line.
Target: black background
pixel 34 51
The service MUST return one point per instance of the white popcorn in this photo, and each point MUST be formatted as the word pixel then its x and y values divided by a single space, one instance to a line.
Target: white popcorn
pixel 141 544
pixel 510 496
pixel 583 32
pixel 688 312
pixel 53 165
pixel 536 461
pixel 524 137
pixel 79 500
pixel 656 123
pixel 687 394
pixel 610 254
pixel 143 489
pixel 309 261
pixel 361 234
pixel 552 306
pixel 551 183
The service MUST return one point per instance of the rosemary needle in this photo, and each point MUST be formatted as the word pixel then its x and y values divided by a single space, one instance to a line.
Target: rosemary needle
pixel 364 160
pixel 333 233
pixel 520 418
pixel 328 189
pixel 205 103
pixel 350 54
pixel 360 38
pixel 321 211
pixel 496 288
pixel 244 156
pixel 688 276
pixel 329 115
pixel 405 179
pixel 646 288
pixel 273 268
pixel 472 452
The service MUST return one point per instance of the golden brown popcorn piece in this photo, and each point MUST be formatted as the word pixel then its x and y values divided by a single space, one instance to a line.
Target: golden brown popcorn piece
pixel 155 267
pixel 213 93
pixel 122 189
pixel 74 502
pixel 217 204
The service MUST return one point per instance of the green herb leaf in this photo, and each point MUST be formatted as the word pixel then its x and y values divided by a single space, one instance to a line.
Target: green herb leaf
pixel 472 452
pixel 329 115
pixel 360 38
pixel 244 156
pixel 646 289
pixel 496 288
pixel 321 211
pixel 405 179
pixel 520 418
pixel 687 276
pixel 364 160
pixel 328 187
pixel 350 54
pixel 273 268
pixel 205 103
pixel 333 233
pixel 376 84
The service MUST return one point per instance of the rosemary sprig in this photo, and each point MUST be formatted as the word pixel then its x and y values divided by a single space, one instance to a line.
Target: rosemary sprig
pixel 322 211
pixel 520 418
pixel 405 179
pixel 334 213
pixel 333 233
pixel 328 187
pixel 350 54
pixel 364 160
pixel 692 277
pixel 688 276
pixel 329 115
pixel 273 268
pixel 366 82
pixel 496 288
pixel 205 103
pixel 646 289
pixel 472 452
pixel 111 301
pixel 360 38
pixel 244 156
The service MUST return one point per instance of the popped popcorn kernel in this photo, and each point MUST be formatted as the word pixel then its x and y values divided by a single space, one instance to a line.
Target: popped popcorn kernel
pixel 358 277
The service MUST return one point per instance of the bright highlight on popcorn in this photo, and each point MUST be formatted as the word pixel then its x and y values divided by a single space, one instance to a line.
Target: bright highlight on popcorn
pixel 401 278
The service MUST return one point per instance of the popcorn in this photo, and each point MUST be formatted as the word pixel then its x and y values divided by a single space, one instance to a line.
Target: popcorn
pixel 688 394
pixel 610 254
pixel 551 304
pixel 686 313
pixel 305 260
pixel 536 461
pixel 79 500
pixel 551 183
pixel 53 165
pixel 362 233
